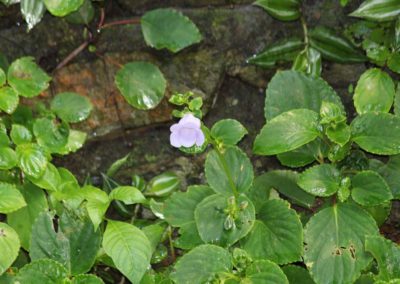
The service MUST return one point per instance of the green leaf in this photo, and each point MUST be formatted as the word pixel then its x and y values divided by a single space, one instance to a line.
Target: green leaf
pixel 170 29
pixel 10 198
pixel 142 84
pixel 211 220
pixel 290 90
pixel 369 129
pixel 84 15
pixel 201 264
pixel 8 99
pixel 23 219
pixel 284 50
pixel 334 47
pixel 97 205
pixel 8 158
pixel 284 10
pixel 44 271
pixel 331 113
pixel 297 274
pixel 339 133
pixel 370 189
pixel 49 180
pixel 378 10
pixel 26 78
pixel 228 131
pixel 20 134
pixel 334 238
pixel 387 254
pixel 163 185
pixel 9 246
pixel 71 107
pixel 303 155
pixel 84 241
pixel 374 92
pixel 286 132
pixel 3 77
pixel 50 134
pixel 285 182
pixel 75 245
pixel 61 8
pixel 265 271
pixel 321 180
pixel 129 248
pixel 32 11
pixel 127 194
pixel 188 237
pixel 179 208
pixel 308 61
pixel 379 212
pixel 86 279
pixel 277 234
pixel 390 173
pixel 76 139
pixel 229 172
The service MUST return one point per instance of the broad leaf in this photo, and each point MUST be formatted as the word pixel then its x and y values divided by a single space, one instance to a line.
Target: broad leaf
pixel 216 226
pixel 378 10
pixel 32 11
pixel 339 133
pixel 163 185
pixel 10 198
pixel 228 131
pixel 290 90
pixel 44 271
pixel 286 132
pixel 229 172
pixel 188 237
pixel 20 134
pixel 51 134
pixel 129 249
pixel 76 139
pixel 369 129
pixel 128 195
pixel 277 234
pixel 61 8
pixel 142 84
pixel 284 10
pixel 23 219
pixel 334 238
pixel 8 158
pixel 321 180
pixel 303 155
pixel 49 180
pixel 86 279
pixel 265 271
pixel 201 264
pixel 387 254
pixel 370 189
pixel 390 173
pixel 285 182
pixel 3 77
pixel 84 15
pixel 179 208
pixel 8 99
pixel 170 29
pixel 26 78
pixel 297 274
pixel 9 246
pixel 71 107
pixel 334 47
pixel 97 204
pixel 374 92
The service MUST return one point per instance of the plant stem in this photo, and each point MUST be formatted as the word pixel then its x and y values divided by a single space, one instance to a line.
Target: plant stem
pixel 171 246
pixel 134 21
pixel 305 30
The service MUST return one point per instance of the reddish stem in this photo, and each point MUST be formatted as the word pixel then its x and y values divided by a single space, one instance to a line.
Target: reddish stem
pixel 134 21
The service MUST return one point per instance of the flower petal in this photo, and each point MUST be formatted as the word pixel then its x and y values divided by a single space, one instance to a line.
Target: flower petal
pixel 174 127
pixel 187 136
pixel 200 139
pixel 174 140
pixel 190 118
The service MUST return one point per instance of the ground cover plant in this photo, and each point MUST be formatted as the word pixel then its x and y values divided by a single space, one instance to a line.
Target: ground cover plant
pixel 314 220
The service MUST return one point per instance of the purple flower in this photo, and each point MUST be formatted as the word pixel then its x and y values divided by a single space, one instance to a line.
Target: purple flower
pixel 187 132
